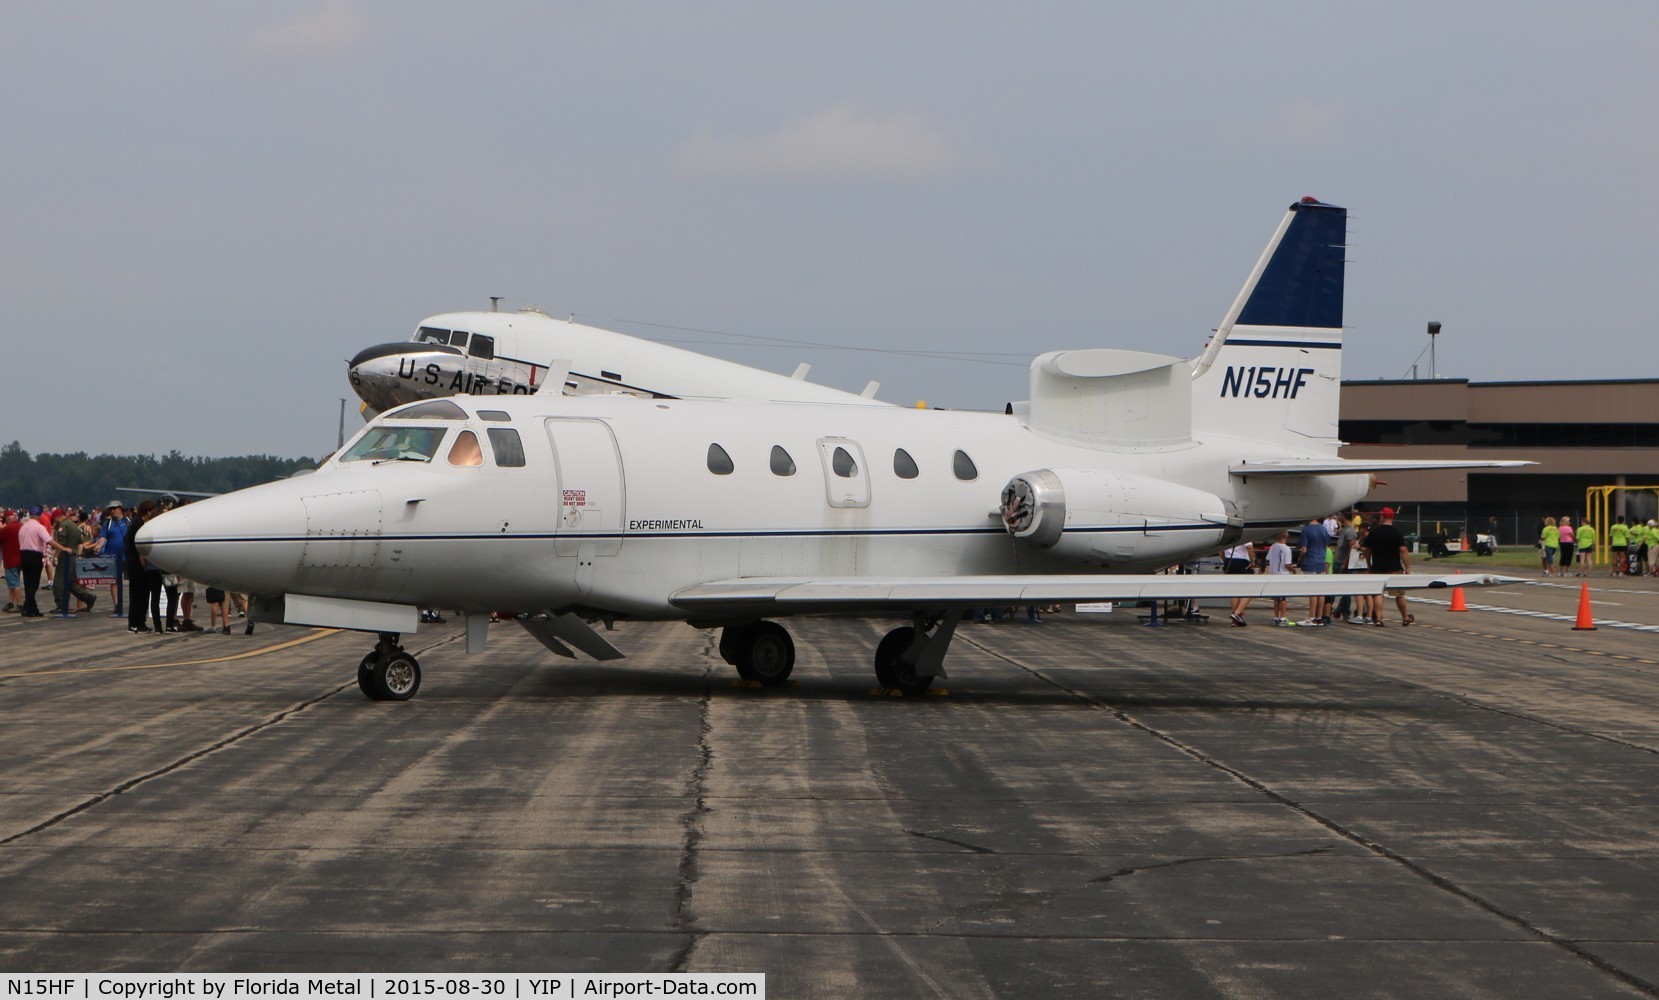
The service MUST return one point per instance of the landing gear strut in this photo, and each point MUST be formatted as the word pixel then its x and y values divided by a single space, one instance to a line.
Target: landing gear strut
pixel 761 651
pixel 909 657
pixel 389 673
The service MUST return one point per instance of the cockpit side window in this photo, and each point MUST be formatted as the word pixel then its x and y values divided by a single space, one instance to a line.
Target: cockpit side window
pixel 482 347
pixel 499 416
pixel 509 450
pixel 392 443
pixel 432 409
pixel 465 452
pixel 458 338
pixel 431 335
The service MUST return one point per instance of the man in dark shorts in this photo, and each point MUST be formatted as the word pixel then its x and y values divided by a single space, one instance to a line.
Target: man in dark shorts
pixel 1387 548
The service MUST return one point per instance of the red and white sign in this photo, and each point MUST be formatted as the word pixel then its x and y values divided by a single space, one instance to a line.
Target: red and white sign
pixel 576 498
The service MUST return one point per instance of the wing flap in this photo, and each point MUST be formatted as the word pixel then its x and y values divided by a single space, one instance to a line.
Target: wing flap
pixel 786 595
pixel 1351 466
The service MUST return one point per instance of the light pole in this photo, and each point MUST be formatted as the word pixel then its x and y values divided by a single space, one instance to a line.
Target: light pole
pixel 1434 333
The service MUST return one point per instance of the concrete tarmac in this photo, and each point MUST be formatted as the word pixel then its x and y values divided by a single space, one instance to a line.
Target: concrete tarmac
pixel 1467 807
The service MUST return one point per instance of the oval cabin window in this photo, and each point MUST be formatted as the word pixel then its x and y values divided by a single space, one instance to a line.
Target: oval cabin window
pixel 963 466
pixel 782 464
pixel 720 463
pixel 904 466
pixel 843 464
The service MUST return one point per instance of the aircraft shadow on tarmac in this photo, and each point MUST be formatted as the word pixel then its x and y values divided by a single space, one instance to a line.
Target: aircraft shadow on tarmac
pixel 577 682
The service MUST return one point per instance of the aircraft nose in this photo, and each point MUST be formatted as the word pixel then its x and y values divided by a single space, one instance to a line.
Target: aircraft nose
pixel 166 541
pixel 241 541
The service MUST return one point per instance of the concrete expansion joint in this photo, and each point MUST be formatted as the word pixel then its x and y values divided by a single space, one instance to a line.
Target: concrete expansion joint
pixel 685 918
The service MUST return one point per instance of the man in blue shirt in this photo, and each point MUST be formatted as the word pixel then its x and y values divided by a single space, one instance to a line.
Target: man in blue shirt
pixel 1314 549
pixel 112 541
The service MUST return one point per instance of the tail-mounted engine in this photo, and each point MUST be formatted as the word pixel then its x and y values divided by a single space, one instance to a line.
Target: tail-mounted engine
pixel 1111 518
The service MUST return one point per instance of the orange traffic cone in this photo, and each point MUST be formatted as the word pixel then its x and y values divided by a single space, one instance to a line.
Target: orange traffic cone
pixel 1585 622
pixel 1457 598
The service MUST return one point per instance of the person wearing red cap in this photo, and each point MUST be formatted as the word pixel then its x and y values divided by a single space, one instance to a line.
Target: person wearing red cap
pixel 1388 554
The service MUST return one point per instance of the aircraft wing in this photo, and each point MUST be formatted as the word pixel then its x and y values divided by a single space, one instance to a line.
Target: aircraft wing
pixel 790 595
pixel 1349 466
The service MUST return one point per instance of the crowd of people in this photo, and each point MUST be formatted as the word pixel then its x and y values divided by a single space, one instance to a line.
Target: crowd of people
pixel 1564 549
pixel 46 544
pixel 1349 542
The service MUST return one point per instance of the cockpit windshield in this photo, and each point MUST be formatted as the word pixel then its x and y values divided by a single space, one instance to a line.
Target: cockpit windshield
pixel 395 444
pixel 431 335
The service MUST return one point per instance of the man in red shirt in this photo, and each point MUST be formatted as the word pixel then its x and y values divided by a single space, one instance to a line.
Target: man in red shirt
pixel 11 554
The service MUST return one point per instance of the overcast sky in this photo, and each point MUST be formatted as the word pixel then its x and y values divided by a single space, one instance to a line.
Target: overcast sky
pixel 209 206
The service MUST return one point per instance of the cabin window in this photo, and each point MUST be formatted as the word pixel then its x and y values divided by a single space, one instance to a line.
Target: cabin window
pixel 465 451
pixel 508 449
pixel 432 409
pixel 499 416
pixel 458 338
pixel 782 464
pixel 843 464
pixel 720 463
pixel 963 466
pixel 431 335
pixel 483 348
pixel 904 466
pixel 395 444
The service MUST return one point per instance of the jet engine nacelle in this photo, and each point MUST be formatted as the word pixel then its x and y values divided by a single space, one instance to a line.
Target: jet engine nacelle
pixel 1110 518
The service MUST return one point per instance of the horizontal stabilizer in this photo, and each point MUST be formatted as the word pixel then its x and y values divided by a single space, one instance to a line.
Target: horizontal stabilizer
pixel 790 595
pixel 1351 466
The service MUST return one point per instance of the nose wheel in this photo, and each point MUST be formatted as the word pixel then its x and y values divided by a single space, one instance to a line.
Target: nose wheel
pixel 389 673
pixel 761 651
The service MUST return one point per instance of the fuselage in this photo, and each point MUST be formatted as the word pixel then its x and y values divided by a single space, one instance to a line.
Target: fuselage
pixel 612 504
pixel 522 353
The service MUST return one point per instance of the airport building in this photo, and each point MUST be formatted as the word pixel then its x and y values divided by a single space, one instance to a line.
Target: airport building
pixel 1582 434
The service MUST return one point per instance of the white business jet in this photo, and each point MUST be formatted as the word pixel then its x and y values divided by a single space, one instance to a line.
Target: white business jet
pixel 572 510
pixel 522 353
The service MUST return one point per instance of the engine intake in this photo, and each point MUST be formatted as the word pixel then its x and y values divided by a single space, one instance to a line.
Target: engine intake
pixel 1113 518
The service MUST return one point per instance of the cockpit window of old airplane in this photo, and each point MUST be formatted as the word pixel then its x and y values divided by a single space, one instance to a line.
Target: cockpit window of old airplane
pixel 431 335
pixel 458 338
pixel 482 347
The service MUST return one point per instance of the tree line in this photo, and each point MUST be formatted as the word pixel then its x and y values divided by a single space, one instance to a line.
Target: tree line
pixel 82 480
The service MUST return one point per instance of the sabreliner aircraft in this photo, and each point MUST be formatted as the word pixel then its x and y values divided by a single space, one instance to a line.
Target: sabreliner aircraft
pixel 571 510
pixel 522 353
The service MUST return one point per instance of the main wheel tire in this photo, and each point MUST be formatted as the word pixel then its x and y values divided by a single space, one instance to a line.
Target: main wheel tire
pixel 767 654
pixel 365 678
pixel 891 670
pixel 733 640
pixel 398 678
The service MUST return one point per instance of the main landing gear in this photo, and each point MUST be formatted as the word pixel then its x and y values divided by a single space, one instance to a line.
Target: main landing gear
pixel 761 651
pixel 389 673
pixel 907 659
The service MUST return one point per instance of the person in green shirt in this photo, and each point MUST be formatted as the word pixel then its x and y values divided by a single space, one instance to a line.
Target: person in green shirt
pixel 1586 548
pixel 1549 543
pixel 1618 538
pixel 67 542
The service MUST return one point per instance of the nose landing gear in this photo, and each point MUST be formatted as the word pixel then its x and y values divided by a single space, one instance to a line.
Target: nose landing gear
pixel 389 673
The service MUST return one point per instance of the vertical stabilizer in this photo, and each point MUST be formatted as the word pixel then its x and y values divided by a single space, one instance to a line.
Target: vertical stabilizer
pixel 1274 367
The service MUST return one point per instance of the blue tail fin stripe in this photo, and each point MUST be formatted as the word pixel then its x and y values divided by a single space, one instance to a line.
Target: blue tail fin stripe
pixel 1302 284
